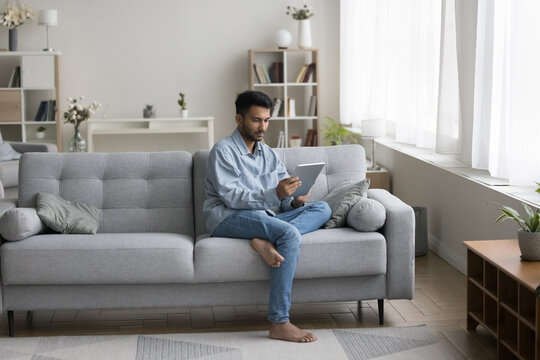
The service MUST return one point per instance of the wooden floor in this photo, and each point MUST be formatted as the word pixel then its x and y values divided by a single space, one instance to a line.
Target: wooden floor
pixel 439 302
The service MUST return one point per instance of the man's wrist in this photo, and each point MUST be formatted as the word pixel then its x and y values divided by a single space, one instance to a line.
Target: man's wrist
pixel 296 203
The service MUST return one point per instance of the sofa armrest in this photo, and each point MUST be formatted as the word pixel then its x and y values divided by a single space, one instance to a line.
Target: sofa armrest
pixel 6 204
pixel 1 190
pixel 399 233
pixel 26 147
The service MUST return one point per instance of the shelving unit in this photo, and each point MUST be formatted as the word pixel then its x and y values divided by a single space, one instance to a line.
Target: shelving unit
pixel 39 80
pixel 501 297
pixel 293 60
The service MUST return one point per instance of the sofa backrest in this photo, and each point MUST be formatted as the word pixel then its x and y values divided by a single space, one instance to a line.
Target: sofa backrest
pixel 343 162
pixel 138 192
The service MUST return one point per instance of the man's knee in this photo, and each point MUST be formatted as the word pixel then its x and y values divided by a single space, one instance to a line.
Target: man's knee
pixel 323 207
pixel 292 236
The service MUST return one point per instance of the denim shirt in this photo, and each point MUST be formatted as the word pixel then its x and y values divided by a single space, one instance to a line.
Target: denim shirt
pixel 236 179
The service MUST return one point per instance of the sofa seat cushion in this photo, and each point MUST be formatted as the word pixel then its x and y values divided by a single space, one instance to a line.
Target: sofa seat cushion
pixel 324 253
pixel 120 258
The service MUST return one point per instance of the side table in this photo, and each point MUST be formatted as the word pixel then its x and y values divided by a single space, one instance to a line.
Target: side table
pixel 380 179
pixel 501 297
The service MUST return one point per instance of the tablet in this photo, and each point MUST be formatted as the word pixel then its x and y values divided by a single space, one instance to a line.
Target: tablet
pixel 307 173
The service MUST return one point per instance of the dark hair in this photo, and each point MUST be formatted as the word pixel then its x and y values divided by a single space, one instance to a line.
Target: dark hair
pixel 249 98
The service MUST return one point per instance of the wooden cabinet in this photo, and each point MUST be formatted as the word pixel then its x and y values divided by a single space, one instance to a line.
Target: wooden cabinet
pixel 501 297
pixel 298 117
pixel 28 79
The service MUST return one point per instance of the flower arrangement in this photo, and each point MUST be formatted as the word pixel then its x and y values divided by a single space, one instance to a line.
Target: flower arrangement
pixel 302 13
pixel 15 15
pixel 76 113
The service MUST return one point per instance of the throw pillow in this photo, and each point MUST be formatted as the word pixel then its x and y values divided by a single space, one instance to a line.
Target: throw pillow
pixel 7 153
pixel 19 223
pixel 67 217
pixel 367 215
pixel 342 198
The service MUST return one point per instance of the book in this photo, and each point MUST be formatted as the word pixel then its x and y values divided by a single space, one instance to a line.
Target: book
pixel 275 70
pixel 272 74
pixel 309 72
pixel 315 138
pixel 301 74
pixel 266 76
pixel 309 137
pixel 51 110
pixel 292 108
pixel 258 79
pixel 281 139
pixel 40 111
pixel 277 107
pixel 15 79
pixel 11 82
pixel 312 108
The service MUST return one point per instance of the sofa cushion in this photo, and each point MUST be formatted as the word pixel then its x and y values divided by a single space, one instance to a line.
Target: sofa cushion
pixel 324 253
pixel 67 217
pixel 122 258
pixel 367 215
pixel 19 223
pixel 342 198
pixel 9 173
pixel 7 152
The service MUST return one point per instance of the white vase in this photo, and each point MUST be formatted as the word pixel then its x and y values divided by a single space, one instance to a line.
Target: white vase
pixel 40 134
pixel 529 244
pixel 184 113
pixel 295 142
pixel 304 34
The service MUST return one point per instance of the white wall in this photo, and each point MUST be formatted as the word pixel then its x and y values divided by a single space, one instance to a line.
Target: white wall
pixel 129 53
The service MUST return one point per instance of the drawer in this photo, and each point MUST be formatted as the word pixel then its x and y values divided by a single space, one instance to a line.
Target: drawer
pixel 10 105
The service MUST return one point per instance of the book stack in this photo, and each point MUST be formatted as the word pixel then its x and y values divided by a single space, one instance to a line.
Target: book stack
pixel 281 139
pixel 306 73
pixel 46 111
pixel 276 72
pixel 311 138
pixel 278 108
pixel 267 76
pixel 15 79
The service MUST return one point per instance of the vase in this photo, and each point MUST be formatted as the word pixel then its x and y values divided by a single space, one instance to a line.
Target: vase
pixel 77 142
pixel 12 39
pixel 184 113
pixel 149 113
pixel 529 245
pixel 304 34
pixel 40 135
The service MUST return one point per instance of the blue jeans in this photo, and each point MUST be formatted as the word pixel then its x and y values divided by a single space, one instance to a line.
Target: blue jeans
pixel 285 232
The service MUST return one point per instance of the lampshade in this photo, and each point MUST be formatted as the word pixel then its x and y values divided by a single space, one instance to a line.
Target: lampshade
pixel 48 17
pixel 282 38
pixel 373 127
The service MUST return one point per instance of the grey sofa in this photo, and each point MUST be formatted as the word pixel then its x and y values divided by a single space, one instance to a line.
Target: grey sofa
pixel 152 250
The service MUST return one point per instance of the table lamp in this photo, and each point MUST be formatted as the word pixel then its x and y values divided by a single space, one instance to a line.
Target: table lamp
pixel 371 129
pixel 48 18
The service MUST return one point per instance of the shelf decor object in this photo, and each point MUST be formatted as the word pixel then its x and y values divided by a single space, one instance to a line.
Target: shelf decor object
pixel 372 129
pixel 291 78
pixel 282 39
pixel 304 28
pixel 12 17
pixel 76 114
pixel 501 296
pixel 30 96
pixel 48 18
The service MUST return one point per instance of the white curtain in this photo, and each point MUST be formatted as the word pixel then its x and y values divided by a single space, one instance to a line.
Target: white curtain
pixel 399 62
pixel 506 126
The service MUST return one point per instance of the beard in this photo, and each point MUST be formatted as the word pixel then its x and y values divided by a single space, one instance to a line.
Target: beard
pixel 251 137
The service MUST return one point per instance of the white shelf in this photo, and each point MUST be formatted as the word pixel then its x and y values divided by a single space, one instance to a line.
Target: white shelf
pixel 21 53
pixel 10 122
pixel 288 84
pixel 40 122
pixel 294 118
pixel 165 130
pixel 41 141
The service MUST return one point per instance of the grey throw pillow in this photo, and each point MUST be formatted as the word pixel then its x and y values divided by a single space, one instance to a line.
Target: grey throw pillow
pixel 367 215
pixel 342 198
pixel 7 152
pixel 19 223
pixel 67 217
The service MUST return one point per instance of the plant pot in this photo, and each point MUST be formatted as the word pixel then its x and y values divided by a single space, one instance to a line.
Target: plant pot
pixel 304 34
pixel 40 135
pixel 149 113
pixel 295 142
pixel 529 244
pixel 184 113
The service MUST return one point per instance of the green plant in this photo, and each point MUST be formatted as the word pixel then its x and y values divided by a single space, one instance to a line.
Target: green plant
pixel 530 223
pixel 41 129
pixel 538 190
pixel 302 13
pixel 182 101
pixel 336 134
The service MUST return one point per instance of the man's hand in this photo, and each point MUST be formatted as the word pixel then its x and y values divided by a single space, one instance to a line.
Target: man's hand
pixel 287 187
pixel 300 200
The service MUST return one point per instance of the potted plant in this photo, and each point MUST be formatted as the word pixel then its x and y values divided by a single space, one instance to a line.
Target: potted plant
pixel 40 132
pixel 183 107
pixel 149 111
pixel 304 29
pixel 12 17
pixel 335 134
pixel 529 234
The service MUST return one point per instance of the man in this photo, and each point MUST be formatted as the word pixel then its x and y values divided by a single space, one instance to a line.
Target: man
pixel 249 196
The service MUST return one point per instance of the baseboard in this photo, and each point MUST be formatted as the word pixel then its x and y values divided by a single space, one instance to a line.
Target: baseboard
pixel 449 255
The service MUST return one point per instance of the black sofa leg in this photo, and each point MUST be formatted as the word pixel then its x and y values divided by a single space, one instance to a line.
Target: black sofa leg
pixel 380 304
pixel 11 323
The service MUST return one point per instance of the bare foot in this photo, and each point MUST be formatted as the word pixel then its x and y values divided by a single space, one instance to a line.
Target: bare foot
pixel 267 250
pixel 289 332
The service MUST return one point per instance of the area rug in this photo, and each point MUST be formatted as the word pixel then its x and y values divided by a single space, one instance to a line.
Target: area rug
pixel 347 344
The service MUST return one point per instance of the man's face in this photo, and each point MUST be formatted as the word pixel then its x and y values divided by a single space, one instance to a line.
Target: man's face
pixel 254 124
